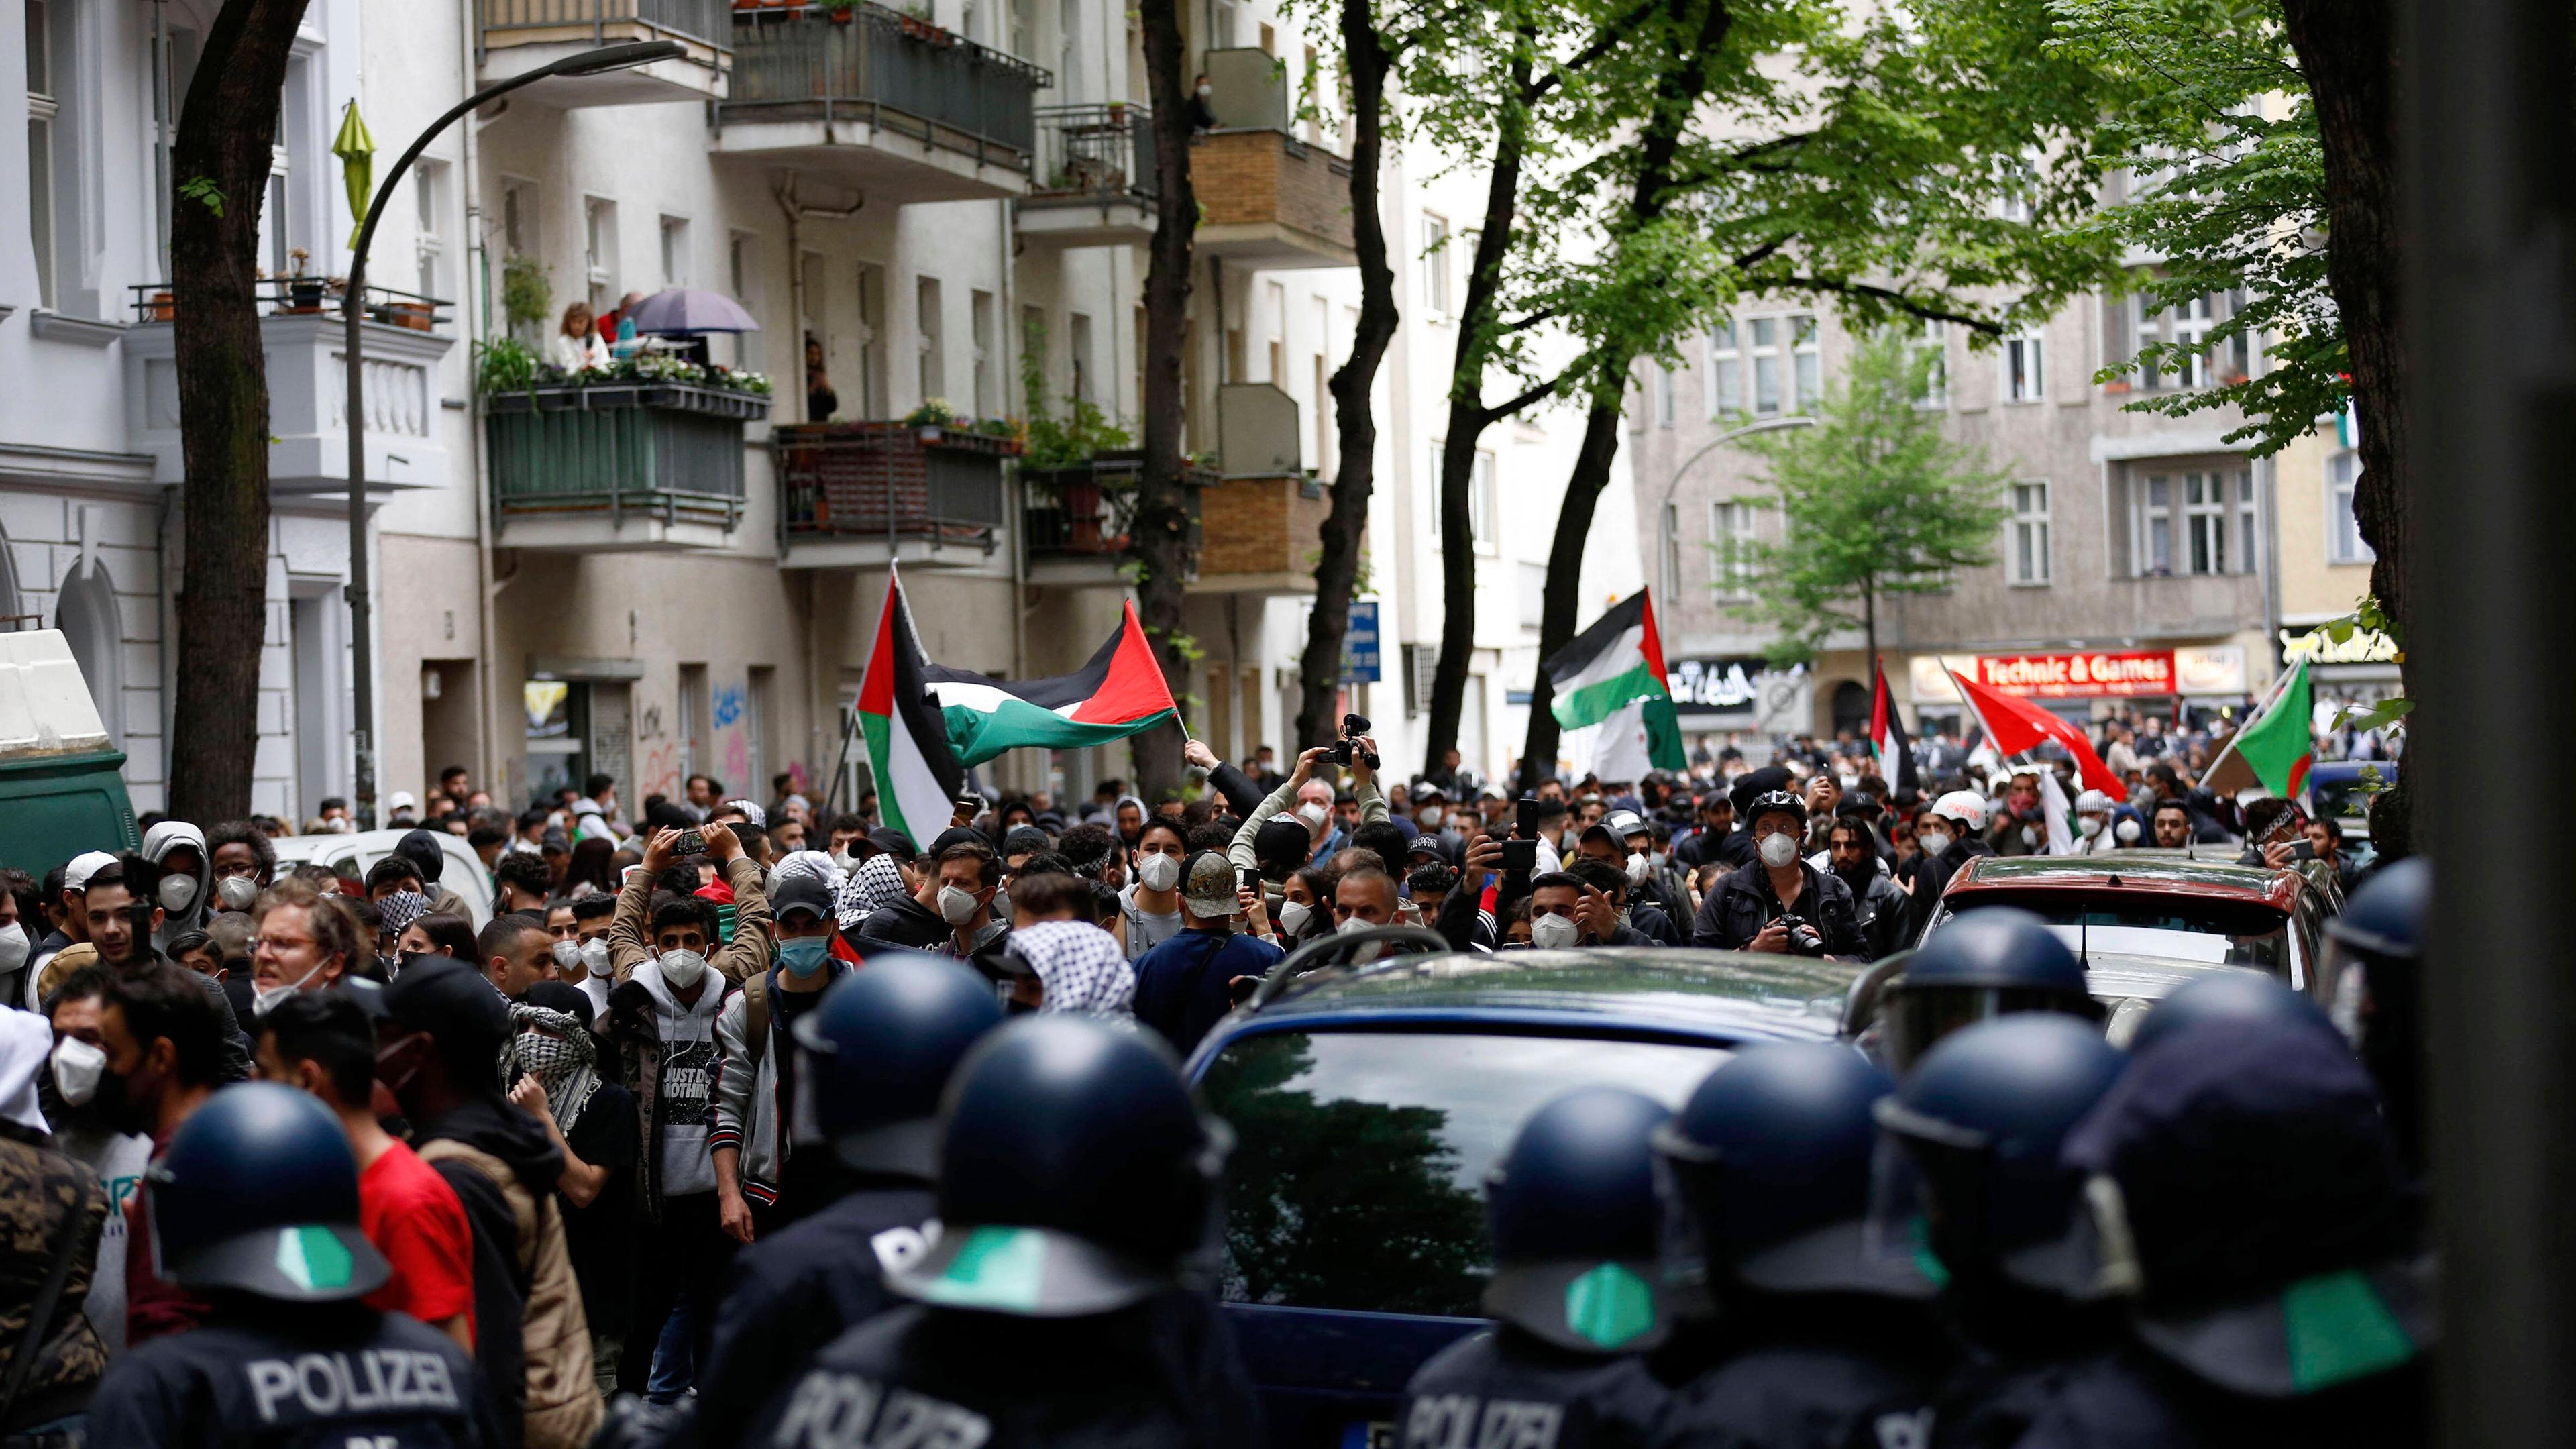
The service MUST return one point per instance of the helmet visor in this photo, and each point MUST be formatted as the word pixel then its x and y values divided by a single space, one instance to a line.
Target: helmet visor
pixel 1915 1019
pixel 1927 1185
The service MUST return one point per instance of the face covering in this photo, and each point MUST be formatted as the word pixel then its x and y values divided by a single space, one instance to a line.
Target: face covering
pixel 1933 841
pixel 1637 868
pixel 594 956
pixel 1159 872
pixel 1293 916
pixel 2088 826
pixel 846 861
pixel 567 954
pixel 1206 91
pixel 264 999
pixel 1778 849
pixel 77 1068
pixel 2127 830
pixel 683 969
pixel 237 892
pixel 1554 933
pixel 805 955
pixel 1313 814
pixel 1430 820
pixel 13 946
pixel 958 907
pixel 177 892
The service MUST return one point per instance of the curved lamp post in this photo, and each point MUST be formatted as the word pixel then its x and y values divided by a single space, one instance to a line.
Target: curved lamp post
pixel 361 647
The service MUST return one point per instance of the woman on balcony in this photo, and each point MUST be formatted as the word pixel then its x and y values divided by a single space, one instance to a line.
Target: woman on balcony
pixel 577 344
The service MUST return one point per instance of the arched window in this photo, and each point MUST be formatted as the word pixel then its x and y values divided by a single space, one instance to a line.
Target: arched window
pixel 86 613
pixel 1851 707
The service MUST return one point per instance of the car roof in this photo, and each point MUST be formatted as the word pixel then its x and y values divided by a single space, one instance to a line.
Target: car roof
pixel 2120 871
pixel 371 846
pixel 1714 996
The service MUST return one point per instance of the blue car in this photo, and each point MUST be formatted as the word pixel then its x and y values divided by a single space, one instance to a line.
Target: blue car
pixel 1368 1104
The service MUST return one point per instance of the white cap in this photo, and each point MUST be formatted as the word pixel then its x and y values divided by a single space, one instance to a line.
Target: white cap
pixel 2092 802
pixel 84 865
pixel 401 800
pixel 751 814
pixel 1965 806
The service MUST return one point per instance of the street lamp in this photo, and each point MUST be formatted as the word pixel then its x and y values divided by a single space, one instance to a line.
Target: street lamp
pixel 362 664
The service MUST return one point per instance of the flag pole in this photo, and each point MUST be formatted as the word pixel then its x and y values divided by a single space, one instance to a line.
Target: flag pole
pixel 2271 697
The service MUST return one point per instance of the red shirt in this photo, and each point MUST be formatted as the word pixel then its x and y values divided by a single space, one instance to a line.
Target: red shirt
pixel 412 1216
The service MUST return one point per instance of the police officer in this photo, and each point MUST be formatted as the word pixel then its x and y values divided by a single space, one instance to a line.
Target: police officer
pixel 2228 996
pixel 2245 1189
pixel 2372 980
pixel 1577 1294
pixel 876 1050
pixel 1989 962
pixel 1974 1180
pixel 255 1206
pixel 1813 1339
pixel 1065 1303
pixel 1778 902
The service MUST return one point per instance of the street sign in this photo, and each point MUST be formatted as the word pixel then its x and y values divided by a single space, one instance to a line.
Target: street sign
pixel 1359 645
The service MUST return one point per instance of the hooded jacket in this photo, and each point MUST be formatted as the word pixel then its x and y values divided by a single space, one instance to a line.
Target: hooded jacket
pixel 158 842
pixel 652 1034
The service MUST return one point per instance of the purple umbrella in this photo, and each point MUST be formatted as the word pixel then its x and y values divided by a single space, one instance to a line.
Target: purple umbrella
pixel 689 310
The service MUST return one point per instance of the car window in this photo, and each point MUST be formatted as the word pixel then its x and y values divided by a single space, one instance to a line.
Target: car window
pixel 1357 1178
pixel 2210 932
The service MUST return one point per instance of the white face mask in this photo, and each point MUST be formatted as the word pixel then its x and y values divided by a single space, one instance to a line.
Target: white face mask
pixel 683 969
pixel 1637 868
pixel 2088 826
pixel 594 956
pixel 958 907
pixel 237 892
pixel 2030 835
pixel 846 861
pixel 2127 831
pixel 567 954
pixel 13 946
pixel 264 999
pixel 1430 819
pixel 77 1067
pixel 1293 916
pixel 1159 872
pixel 1778 849
pixel 1206 91
pixel 177 892
pixel 1313 814
pixel 1554 933
pixel 1933 841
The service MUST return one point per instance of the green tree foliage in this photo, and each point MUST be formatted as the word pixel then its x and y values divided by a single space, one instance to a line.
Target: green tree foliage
pixel 1873 501
pixel 2226 183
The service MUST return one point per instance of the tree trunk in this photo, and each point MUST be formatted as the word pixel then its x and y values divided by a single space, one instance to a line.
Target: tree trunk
pixel 1869 628
pixel 2347 50
pixel 1160 540
pixel 1337 567
pixel 219 169
pixel 1468 419
pixel 1658 143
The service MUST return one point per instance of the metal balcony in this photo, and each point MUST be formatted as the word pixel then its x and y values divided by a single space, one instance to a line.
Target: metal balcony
pixel 619 467
pixel 1095 182
pixel 518 36
pixel 880 100
pixel 863 494
pixel 1076 519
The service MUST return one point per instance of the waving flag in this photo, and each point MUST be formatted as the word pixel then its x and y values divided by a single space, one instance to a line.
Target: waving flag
pixel 2015 726
pixel 2275 747
pixel 1887 736
pixel 917 775
pixel 1119 693
pixel 1616 663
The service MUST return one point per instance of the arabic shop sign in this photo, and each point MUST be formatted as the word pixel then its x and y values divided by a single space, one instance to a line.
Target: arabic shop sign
pixel 2362 646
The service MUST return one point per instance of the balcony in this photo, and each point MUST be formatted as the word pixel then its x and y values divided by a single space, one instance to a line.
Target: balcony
pixel 1266 199
pixel 882 101
pixel 860 495
pixel 617 467
pixel 1094 185
pixel 1076 519
pixel 1260 535
pixel 518 36
pixel 301 333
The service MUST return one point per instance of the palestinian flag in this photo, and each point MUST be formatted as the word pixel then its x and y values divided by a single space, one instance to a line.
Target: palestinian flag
pixel 1887 736
pixel 2275 747
pixel 917 775
pixel 2016 726
pixel 1119 693
pixel 1617 662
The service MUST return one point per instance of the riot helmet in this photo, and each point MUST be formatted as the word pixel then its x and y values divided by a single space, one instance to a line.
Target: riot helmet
pixel 258 1193
pixel 1985 963
pixel 1578 1225
pixel 879 1049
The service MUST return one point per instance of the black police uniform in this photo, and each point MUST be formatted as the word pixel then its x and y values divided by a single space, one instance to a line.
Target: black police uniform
pixel 1505 1386
pixel 296 1376
pixel 796 1291
pixel 1806 1371
pixel 2129 1399
pixel 1159 1375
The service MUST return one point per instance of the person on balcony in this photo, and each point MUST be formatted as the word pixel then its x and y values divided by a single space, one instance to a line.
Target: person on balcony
pixel 1202 114
pixel 577 344
pixel 820 401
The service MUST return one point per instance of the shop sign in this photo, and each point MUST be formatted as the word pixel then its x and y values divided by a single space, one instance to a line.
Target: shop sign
pixel 2362 646
pixel 2080 676
pixel 2215 669
pixel 1715 684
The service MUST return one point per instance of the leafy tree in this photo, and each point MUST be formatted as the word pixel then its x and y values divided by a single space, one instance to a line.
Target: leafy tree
pixel 1873 501
pixel 1159 538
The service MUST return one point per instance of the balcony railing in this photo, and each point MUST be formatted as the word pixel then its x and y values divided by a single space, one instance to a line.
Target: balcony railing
pixel 1094 153
pixel 893 71
pixel 598 22
pixel 1084 512
pixel 890 482
pixel 619 452
pixel 310 297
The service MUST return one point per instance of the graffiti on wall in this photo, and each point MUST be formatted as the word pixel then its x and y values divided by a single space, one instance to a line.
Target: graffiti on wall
pixel 733 741
pixel 657 755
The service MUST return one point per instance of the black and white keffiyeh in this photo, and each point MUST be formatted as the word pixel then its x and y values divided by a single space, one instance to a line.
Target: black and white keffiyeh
pixel 1080 966
pixel 876 884
pixel 564 1063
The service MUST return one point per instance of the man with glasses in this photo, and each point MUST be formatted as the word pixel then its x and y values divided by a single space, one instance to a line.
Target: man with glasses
pixel 304 944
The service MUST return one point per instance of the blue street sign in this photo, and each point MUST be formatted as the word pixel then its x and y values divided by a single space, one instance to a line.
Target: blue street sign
pixel 1359 645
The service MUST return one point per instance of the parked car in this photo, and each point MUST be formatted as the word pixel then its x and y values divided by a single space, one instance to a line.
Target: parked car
pixel 351 856
pixel 1368 1104
pixel 2340 790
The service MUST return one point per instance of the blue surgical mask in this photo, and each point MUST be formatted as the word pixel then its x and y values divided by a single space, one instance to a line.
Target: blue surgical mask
pixel 805 955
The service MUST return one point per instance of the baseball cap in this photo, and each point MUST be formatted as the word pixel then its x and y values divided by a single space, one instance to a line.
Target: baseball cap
pixel 1427 845
pixel 451 1001
pixel 1624 823
pixel 959 835
pixel 1025 840
pixel 84 865
pixel 800 891
pixel 889 841
pixel 402 800
pixel 1207 885
pixel 1965 806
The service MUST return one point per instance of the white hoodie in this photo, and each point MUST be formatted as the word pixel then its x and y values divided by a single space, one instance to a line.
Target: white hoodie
pixel 687 1087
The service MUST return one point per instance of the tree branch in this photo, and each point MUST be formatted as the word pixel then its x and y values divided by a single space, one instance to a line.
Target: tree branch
pixel 1523 324
pixel 1603 42
pixel 1499 411
pixel 1863 289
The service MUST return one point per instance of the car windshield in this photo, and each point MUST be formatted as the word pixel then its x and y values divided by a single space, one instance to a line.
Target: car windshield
pixel 1357 1180
pixel 2205 932
pixel 2347 799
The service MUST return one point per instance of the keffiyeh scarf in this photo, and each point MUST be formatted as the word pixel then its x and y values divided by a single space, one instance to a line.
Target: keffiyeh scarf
pixel 398 910
pixel 564 1064
pixel 876 884
pixel 1080 966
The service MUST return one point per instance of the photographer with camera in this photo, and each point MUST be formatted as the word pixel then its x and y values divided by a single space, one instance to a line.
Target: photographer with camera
pixel 1311 799
pixel 1779 902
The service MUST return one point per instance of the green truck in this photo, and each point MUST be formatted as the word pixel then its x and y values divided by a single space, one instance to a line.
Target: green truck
pixel 62 781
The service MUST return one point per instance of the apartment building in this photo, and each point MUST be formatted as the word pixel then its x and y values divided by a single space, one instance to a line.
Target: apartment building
pixel 2325 570
pixel 2136 565
pixel 923 211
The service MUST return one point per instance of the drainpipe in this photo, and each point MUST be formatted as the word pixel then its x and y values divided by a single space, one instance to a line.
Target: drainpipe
pixel 474 274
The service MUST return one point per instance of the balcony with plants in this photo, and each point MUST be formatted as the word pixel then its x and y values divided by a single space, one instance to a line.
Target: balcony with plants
pixel 882 99
pixel 927 489
pixel 513 37
pixel 1095 177
pixel 642 452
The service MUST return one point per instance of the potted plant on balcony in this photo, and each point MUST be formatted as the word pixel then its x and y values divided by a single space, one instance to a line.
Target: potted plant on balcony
pixel 842 12
pixel 931 419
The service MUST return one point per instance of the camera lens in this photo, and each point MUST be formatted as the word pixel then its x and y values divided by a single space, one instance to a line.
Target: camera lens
pixel 1355 724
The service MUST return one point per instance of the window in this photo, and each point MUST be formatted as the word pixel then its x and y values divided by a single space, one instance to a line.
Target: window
pixel 1435 264
pixel 696 752
pixel 675 251
pixel 1078 344
pixel 1931 353
pixel 1533 593
pixel 2204 511
pixel 2024 363
pixel 429 205
pixel 1725 371
pixel 2247 533
pixel 1766 366
pixel 930 364
pixel 1275 297
pixel 2197 523
pixel 599 251
pixel 2027 556
pixel 1315 103
pixel 2343 527
pixel 2155 532
pixel 875 371
pixel 1730 540
pixel 1663 383
pixel 2186 326
pixel 1481 505
pixel 742 278
pixel 42 106
pixel 1668 552
pixel 979 326
pixel 1810 363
